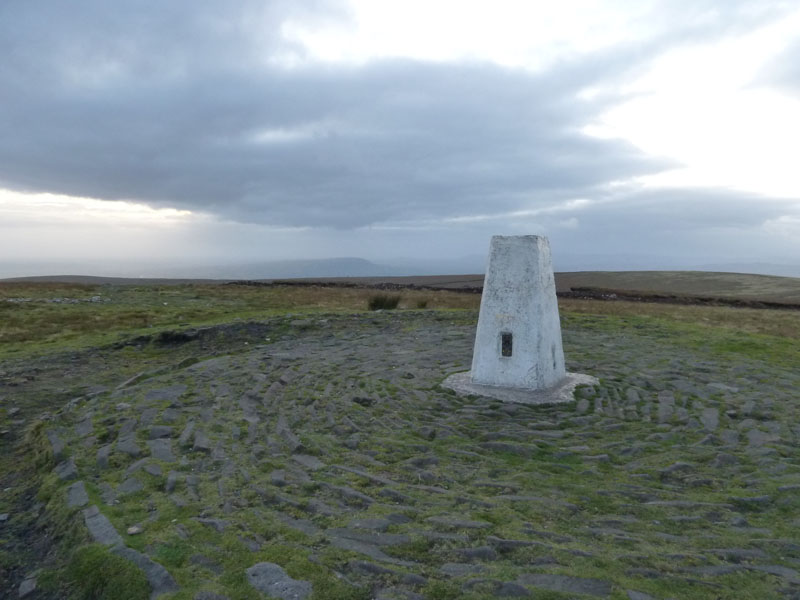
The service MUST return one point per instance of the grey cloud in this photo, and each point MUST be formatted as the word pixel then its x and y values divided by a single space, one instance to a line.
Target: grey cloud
pixel 176 104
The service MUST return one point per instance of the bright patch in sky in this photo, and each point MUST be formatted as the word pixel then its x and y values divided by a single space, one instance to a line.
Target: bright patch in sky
pixel 512 33
pixel 699 106
pixel 57 227
pixel 693 106
pixel 41 209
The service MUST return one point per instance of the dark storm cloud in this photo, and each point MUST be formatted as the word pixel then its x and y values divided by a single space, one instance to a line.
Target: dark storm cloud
pixel 179 104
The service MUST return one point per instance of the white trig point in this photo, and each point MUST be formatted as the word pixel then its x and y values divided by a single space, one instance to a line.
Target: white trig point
pixel 518 355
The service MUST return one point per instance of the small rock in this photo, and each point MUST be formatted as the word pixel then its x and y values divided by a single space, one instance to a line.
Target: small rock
pixel 675 470
pixel 103 455
pixel 130 486
pixel 271 579
pixel 172 481
pixel 217 524
pixel 100 528
pixel 128 445
pixel 460 569
pixel 186 434
pixel 479 553
pixel 76 495
pixel 509 589
pixel 723 460
pixel 153 469
pixel 135 529
pixel 205 595
pixel 752 502
pixel 634 595
pixel 57 444
pixel 27 587
pixel 66 470
pixel 739 554
pixel 161 449
pixel 455 523
pixel 160 431
pixel 201 442
pixel 308 461
pixel 710 419
pixel 567 584
pixel 428 433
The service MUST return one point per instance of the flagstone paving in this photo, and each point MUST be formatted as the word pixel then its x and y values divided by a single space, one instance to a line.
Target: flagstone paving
pixel 331 453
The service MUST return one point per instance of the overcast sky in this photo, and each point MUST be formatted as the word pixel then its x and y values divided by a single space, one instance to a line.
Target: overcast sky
pixel 203 131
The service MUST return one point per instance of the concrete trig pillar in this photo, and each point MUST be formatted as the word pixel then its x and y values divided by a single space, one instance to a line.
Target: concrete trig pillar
pixel 518 355
pixel 518 342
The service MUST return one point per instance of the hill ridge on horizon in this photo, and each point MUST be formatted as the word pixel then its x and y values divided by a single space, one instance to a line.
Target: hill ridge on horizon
pixel 773 288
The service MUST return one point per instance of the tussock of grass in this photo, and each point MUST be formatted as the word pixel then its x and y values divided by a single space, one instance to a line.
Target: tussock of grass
pixel 38 446
pixel 97 574
pixel 383 302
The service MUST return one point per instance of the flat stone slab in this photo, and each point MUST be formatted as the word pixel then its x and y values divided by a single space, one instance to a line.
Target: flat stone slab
pixel 76 495
pixel 161 582
pixel 66 470
pixel 100 528
pixel 271 579
pixel 161 449
pixel 567 584
pixel 461 384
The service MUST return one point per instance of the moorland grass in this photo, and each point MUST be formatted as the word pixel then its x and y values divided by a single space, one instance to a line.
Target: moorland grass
pixel 30 321
pixel 692 283
pixel 383 302
pixel 41 325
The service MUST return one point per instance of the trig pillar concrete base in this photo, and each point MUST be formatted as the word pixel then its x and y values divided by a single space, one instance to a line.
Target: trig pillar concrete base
pixel 462 384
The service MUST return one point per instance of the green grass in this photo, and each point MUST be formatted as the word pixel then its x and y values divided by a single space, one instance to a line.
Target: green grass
pixel 39 325
pixel 97 574
pixel 766 335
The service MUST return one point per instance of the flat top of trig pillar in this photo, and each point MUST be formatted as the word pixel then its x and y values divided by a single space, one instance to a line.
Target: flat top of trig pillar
pixel 518 237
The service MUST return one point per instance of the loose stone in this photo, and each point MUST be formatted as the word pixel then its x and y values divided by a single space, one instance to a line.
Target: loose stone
pixel 201 442
pixel 161 449
pixel 66 470
pixel 567 584
pixel 271 579
pixel 27 587
pixel 100 528
pixel 76 495
pixel 186 434
pixel 128 445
